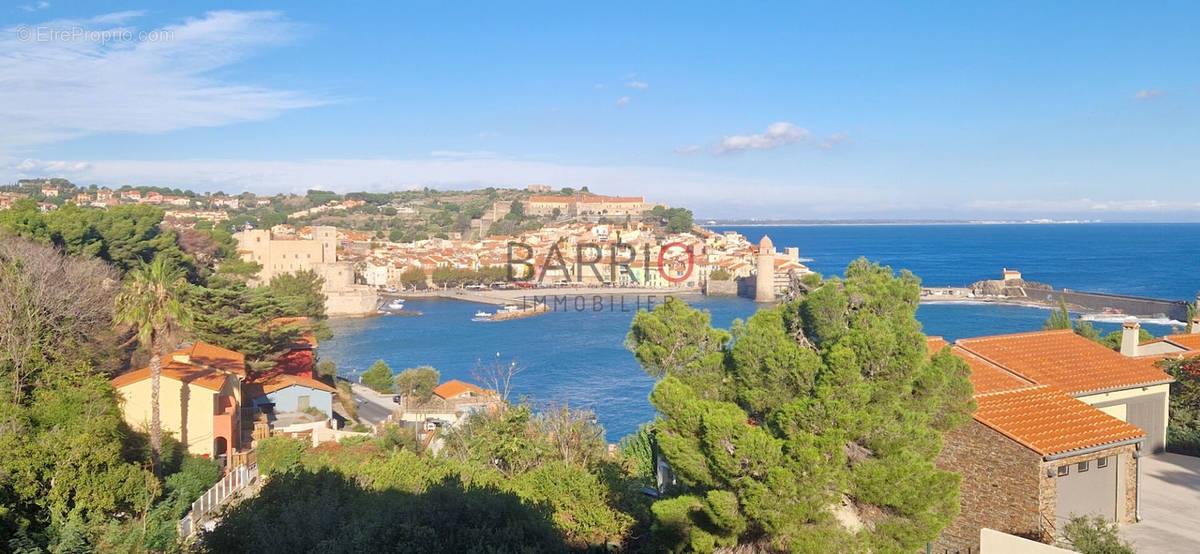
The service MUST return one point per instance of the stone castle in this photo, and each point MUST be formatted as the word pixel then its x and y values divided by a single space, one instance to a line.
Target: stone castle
pixel 281 255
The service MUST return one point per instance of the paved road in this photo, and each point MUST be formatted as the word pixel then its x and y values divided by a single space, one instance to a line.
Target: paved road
pixel 1170 506
pixel 372 406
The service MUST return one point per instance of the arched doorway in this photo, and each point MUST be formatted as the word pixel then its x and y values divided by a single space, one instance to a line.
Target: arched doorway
pixel 220 451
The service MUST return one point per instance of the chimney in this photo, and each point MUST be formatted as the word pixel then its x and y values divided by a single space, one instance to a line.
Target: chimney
pixel 1129 338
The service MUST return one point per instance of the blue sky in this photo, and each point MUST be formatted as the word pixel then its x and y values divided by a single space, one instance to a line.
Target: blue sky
pixel 1070 110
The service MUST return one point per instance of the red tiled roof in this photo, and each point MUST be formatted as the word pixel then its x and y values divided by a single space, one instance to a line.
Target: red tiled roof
pixel 295 361
pixel 1190 341
pixel 986 377
pixel 1064 359
pixel 204 354
pixel 1047 421
pixel 453 388
pixel 202 377
pixel 259 385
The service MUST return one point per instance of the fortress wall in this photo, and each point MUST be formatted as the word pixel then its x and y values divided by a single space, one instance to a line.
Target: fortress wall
pixel 721 288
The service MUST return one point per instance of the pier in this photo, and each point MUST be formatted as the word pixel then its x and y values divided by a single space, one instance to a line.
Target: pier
pixel 1012 289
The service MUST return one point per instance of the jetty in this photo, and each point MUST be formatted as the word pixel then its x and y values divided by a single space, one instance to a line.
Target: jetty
pixel 518 313
pixel 1011 288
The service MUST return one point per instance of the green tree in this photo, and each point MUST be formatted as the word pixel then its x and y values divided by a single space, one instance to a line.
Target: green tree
pixel 413 277
pixel 720 274
pixel 824 410
pixel 379 377
pixel 234 316
pixel 677 340
pixel 149 302
pixel 300 292
pixel 1061 319
pixel 517 209
pixel 1183 427
pixel 1113 339
pixel 679 220
pixel 417 382
pixel 326 368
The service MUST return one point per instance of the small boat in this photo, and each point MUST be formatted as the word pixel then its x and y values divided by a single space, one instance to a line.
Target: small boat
pixel 395 305
pixel 509 308
pixel 482 314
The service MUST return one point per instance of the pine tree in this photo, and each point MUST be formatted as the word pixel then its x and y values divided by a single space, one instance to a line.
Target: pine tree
pixel 814 430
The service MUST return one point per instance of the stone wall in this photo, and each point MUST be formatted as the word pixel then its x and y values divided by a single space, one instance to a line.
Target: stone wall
pixel 351 303
pixel 1011 489
pixel 999 488
pixel 721 288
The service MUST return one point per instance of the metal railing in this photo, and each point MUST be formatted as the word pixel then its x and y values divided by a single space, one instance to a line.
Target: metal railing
pixel 237 479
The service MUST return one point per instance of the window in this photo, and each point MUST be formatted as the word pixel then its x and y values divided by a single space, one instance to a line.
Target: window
pixel 1101 463
pixel 1063 470
pixel 1083 466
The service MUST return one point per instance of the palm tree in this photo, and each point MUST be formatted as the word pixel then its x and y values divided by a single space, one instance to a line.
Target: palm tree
pixel 149 302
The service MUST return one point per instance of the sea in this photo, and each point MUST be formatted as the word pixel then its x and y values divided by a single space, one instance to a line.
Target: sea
pixel 579 358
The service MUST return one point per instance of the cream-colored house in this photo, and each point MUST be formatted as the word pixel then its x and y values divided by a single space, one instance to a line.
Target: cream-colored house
pixel 200 398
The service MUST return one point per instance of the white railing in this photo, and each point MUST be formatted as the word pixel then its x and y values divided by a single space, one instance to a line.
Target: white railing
pixel 237 479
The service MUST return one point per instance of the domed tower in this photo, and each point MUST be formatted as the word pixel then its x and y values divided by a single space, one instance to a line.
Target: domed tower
pixel 764 281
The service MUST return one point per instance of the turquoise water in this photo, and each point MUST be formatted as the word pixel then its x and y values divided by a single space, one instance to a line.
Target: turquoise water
pixel 579 358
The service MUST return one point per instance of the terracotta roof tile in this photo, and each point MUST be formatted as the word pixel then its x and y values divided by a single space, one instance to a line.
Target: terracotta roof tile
pixel 209 355
pixel 1190 341
pixel 259 385
pixel 1061 358
pixel 453 388
pixel 987 377
pixel 1047 421
pixel 184 373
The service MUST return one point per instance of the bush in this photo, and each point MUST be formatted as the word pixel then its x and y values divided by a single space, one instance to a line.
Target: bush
pixel 1093 535
pixel 279 454
pixel 1182 440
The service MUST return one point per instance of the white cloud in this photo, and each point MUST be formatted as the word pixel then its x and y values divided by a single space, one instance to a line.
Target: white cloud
pixel 636 84
pixel 689 149
pixel 834 140
pixel 598 85
pixel 102 75
pixel 1146 94
pixel 777 134
pixel 622 101
pixel 35 7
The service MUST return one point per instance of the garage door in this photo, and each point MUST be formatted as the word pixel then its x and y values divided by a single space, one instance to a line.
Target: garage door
pixel 1145 413
pixel 1087 488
